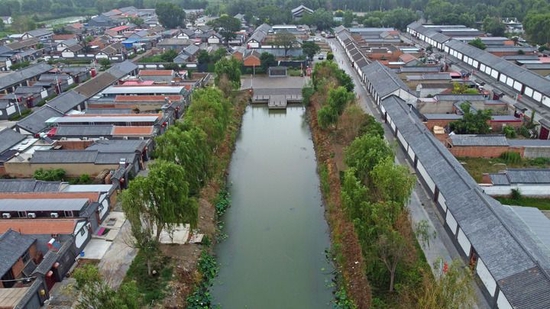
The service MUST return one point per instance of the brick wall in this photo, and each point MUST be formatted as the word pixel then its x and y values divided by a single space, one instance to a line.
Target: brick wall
pixel 437 122
pixel 481 151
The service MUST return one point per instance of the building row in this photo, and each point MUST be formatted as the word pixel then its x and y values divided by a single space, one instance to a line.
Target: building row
pixel 509 257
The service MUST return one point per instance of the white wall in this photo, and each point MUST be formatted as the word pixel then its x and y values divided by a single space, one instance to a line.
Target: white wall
pixel 526 190
pixel 464 242
pixel 426 177
pixel 486 277
pixel 451 222
pixel 502 302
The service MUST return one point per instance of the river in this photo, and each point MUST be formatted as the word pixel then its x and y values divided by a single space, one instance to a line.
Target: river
pixel 274 256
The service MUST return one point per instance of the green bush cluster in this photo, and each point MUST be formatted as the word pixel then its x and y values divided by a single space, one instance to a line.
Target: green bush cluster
pixel 201 298
pixel 510 157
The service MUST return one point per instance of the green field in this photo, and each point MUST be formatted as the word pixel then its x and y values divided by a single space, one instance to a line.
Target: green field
pixel 540 203
pixel 63 21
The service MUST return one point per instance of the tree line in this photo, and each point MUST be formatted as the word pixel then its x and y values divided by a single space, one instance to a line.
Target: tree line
pixel 374 194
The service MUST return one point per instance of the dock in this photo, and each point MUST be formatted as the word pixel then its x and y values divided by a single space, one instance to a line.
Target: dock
pixel 277 101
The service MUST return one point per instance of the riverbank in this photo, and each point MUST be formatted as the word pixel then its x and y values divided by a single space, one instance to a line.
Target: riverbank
pixel 346 248
pixel 184 258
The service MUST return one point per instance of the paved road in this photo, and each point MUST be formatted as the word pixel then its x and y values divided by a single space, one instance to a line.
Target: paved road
pixel 421 206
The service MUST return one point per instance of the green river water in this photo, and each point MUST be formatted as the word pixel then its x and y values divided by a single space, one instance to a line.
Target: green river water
pixel 274 256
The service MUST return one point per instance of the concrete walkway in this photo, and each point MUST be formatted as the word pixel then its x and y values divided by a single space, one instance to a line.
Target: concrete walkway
pixel 421 206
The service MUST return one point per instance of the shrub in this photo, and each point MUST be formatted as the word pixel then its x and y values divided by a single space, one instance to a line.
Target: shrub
pixel 510 132
pixel 515 194
pixel 510 157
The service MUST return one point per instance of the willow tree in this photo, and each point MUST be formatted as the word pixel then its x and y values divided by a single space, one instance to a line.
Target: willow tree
pixel 188 148
pixel 209 112
pixel 160 201
pixel 230 68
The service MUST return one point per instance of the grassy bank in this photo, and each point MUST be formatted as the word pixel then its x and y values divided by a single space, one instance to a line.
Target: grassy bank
pixel 540 203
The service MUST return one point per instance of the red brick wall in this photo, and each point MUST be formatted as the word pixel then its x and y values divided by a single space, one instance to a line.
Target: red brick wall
pixel 497 125
pixel 437 122
pixel 481 152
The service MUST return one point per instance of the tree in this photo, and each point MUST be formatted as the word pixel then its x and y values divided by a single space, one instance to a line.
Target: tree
pixel 188 148
pixel 2 25
pixel 321 18
pixel 267 60
pixel 170 15
pixel 169 55
pixel 537 27
pixel 203 57
pixel 159 202
pixel 452 289
pixel 477 43
pixel 365 152
pixel 392 248
pixel 284 39
pixel 494 25
pixel 104 63
pixel 227 27
pixel 138 21
pixel 96 294
pixel 394 183
pixel 310 49
pixel 209 113
pixel 472 123
pixel 336 103
pixel 461 88
pixel 350 123
pixel 231 68
pixel 347 18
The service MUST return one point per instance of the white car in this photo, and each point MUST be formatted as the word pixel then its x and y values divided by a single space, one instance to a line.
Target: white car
pixel 317 39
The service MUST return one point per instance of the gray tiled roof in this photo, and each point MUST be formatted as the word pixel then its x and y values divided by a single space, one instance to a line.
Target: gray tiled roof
pixel 63 156
pixel 518 73
pixel 510 252
pixel 524 176
pixel 383 80
pixel 478 140
pixel 36 122
pixel 9 138
pixel 12 246
pixel 24 74
pixel 75 204
pixel 121 146
pixel 67 101
pixel 84 130
pixel 29 185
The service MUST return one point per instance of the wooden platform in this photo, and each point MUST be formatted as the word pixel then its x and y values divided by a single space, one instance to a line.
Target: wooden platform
pixel 277 102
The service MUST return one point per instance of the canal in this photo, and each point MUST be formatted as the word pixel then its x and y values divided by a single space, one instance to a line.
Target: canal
pixel 274 256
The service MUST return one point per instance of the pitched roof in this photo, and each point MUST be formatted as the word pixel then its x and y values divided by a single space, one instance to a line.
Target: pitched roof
pixel 118 145
pixel 40 226
pixel 24 74
pixel 478 140
pixel 29 185
pixel 9 138
pixel 84 130
pixel 382 79
pixel 36 122
pixel 521 176
pixel 12 246
pixel 507 249
pixel 67 101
